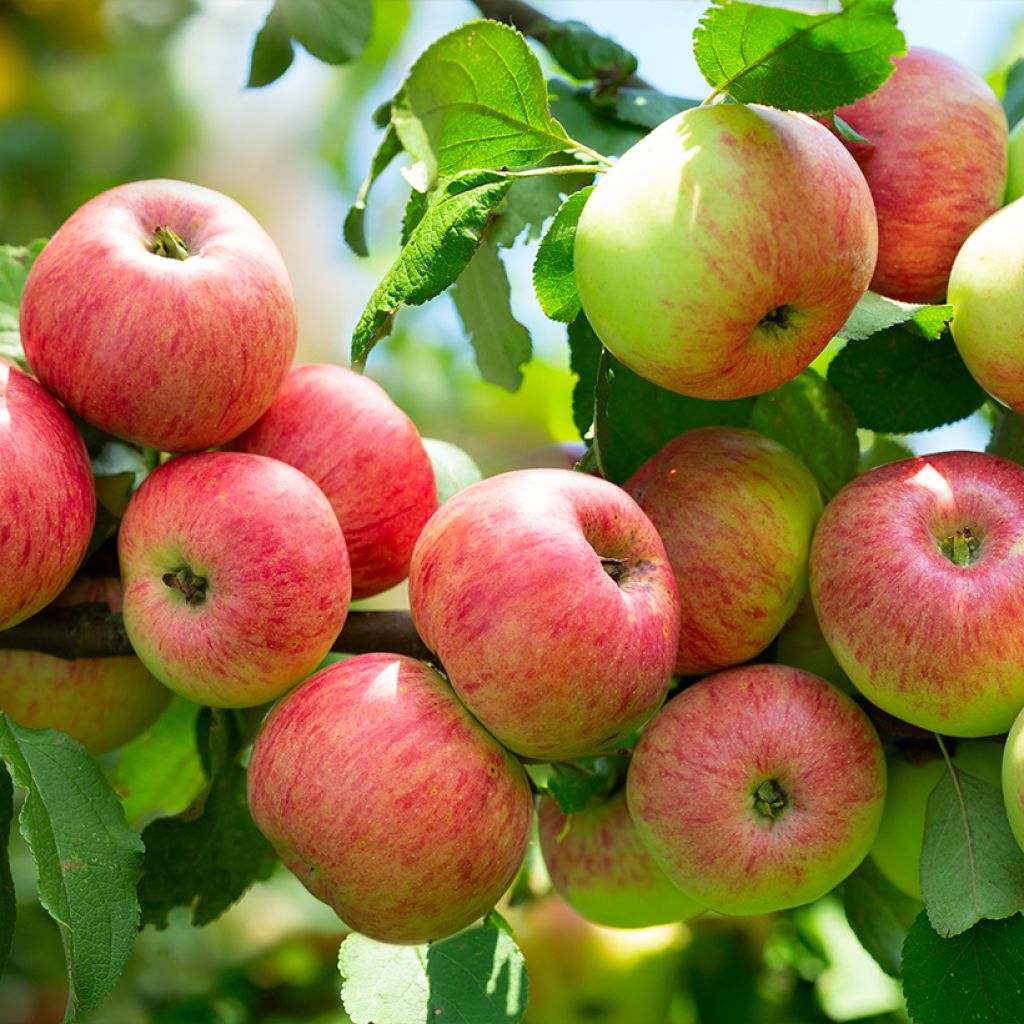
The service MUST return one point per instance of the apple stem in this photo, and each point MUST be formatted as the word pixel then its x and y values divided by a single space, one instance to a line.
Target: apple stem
pixel 769 799
pixel 167 243
pixel 191 585
pixel 960 547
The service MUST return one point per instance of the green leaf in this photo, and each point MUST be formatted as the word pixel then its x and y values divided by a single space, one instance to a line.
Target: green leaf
pixel 647 108
pixel 119 469
pixel 15 263
pixel 439 248
pixel 874 313
pixel 879 914
pixel 476 98
pixel 573 784
pixel 554 276
pixel 8 908
pixel 454 469
pixel 482 298
pixel 811 419
pixel 272 50
pixel 205 858
pixel 847 132
pixel 640 417
pixel 475 977
pixel 160 770
pixel 971 865
pixel 794 61
pixel 593 126
pixel 975 978
pixel 86 857
pixel 882 450
pixel 1013 94
pixel 333 31
pixel 584 53
pixel 355 222
pixel 898 382
pixel 1008 436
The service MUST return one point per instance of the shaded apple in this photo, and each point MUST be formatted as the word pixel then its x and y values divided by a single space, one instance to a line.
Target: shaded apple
pixel 600 867
pixel 161 312
pixel 736 511
pixel 936 165
pixel 917 577
pixel 758 788
pixel 345 433
pixel 723 251
pixel 912 777
pixel 802 645
pixel 47 497
pixel 101 702
pixel 389 800
pixel 549 599
pixel 236 577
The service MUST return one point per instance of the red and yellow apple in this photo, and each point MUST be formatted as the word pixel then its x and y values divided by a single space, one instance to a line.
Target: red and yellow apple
pixel 389 800
pixel 758 788
pixel 345 433
pixel 161 312
pixel 549 599
pixel 917 577
pixel 236 577
pixel 736 511
pixel 47 497
pixel 101 702
pixel 723 251
pixel 936 164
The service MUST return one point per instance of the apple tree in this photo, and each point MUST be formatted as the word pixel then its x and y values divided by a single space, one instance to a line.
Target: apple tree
pixel 752 664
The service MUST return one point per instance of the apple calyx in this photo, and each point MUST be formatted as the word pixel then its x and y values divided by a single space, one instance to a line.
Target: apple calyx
pixel 770 799
pixel 778 319
pixel 960 547
pixel 191 585
pixel 170 244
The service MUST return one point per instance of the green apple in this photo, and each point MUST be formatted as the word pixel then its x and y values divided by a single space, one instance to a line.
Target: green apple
pixel 723 251
pixel 601 868
pixel 1012 774
pixel 1015 171
pixel 897 847
pixel 986 291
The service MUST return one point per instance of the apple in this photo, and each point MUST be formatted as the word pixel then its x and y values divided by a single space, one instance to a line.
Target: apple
pixel 344 431
pixel 1012 778
pixel 549 599
pixel 913 774
pixel 47 497
pixel 801 644
pixel 723 250
pixel 736 511
pixel 917 577
pixel 388 800
pixel 1015 164
pixel 236 577
pixel 986 291
pixel 935 163
pixel 161 312
pixel 599 866
pixel 581 973
pixel 454 468
pixel 100 702
pixel 758 788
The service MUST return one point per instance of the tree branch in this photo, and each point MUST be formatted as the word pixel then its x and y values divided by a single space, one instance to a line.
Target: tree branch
pixel 93 631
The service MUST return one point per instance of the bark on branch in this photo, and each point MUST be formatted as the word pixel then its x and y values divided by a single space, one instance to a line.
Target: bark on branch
pixel 93 631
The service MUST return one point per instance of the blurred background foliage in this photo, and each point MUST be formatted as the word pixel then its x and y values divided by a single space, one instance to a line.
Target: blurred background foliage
pixel 98 92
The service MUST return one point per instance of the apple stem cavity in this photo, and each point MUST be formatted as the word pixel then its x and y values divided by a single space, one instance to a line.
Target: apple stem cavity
pixel 168 243
pixel 777 319
pixel 770 799
pixel 960 547
pixel 191 585
pixel 615 567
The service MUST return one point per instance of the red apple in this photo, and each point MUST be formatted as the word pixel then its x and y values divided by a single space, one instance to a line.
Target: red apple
pixel 236 578
pixel 388 800
pixel 600 867
pixel 936 166
pixel 549 599
pixel 342 430
pixel 47 497
pixel 758 788
pixel 736 511
pixel 161 312
pixel 723 251
pixel 101 702
pixel 917 576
